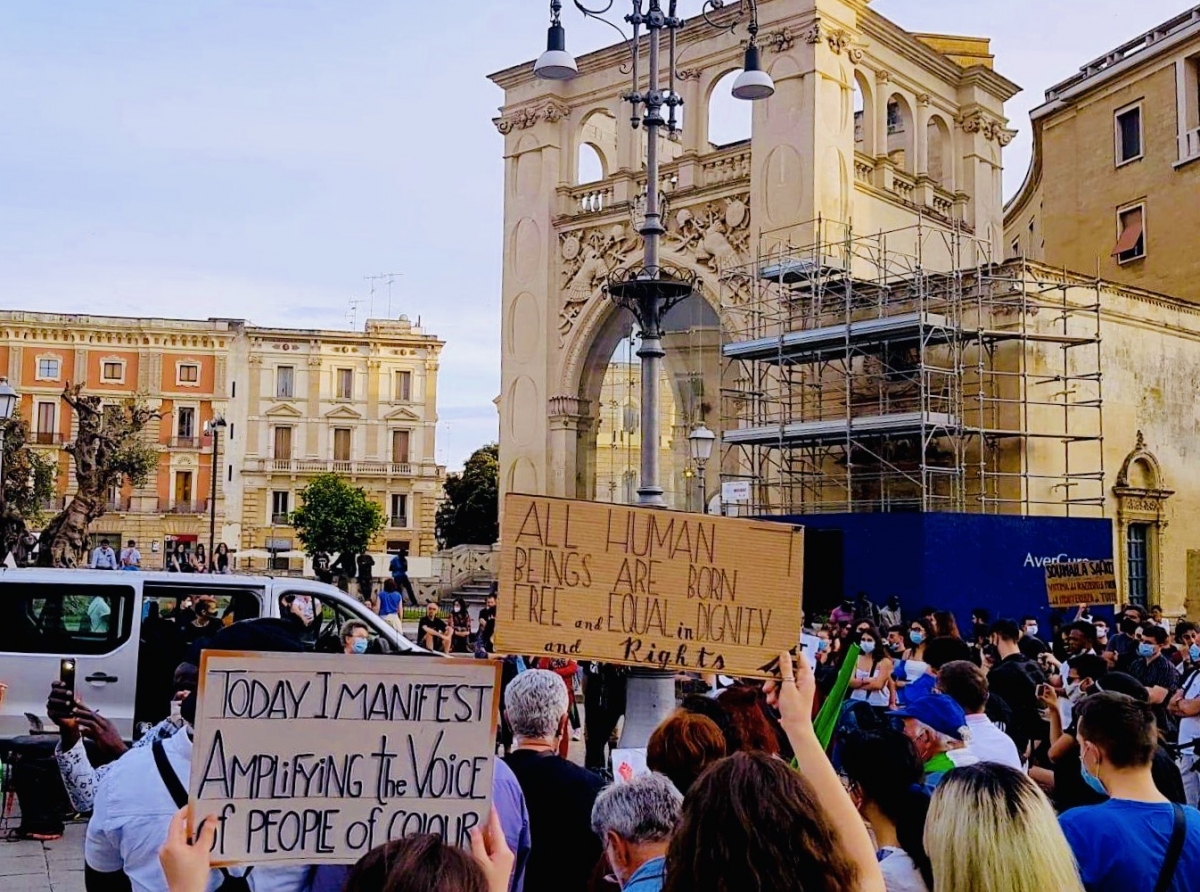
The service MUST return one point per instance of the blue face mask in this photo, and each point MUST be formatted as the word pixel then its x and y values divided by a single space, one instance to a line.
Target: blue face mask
pixel 359 646
pixel 823 645
pixel 1194 651
pixel 867 647
pixel 916 637
pixel 1091 780
pixel 1145 650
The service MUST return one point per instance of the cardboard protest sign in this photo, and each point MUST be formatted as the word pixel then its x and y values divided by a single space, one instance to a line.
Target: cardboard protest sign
pixel 318 758
pixel 646 587
pixel 1081 582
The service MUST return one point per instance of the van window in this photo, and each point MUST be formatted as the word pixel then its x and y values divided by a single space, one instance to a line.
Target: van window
pixel 232 604
pixel 39 619
pixel 325 634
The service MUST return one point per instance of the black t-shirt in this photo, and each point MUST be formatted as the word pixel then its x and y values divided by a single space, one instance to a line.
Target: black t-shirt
pixel 366 565
pixel 559 795
pixel 487 627
pixel 438 625
pixel 1015 680
pixel 1033 647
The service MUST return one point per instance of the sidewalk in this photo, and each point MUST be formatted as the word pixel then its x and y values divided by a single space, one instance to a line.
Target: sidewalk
pixel 44 866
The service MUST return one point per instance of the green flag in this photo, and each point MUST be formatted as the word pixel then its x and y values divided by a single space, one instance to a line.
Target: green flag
pixel 831 710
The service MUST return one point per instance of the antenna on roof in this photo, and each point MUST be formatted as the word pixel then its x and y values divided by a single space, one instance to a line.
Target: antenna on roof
pixel 389 279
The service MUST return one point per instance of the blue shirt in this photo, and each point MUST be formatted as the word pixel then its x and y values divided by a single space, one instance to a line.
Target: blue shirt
pixel 649 877
pixel 1120 845
pixel 389 602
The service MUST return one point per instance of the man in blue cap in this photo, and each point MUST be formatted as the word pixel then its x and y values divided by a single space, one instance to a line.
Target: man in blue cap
pixel 936 725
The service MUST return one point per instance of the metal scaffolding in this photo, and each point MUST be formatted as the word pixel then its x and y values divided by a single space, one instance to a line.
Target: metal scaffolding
pixel 907 371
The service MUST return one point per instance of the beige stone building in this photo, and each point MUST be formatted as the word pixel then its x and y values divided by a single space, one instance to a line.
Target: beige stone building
pixel 296 403
pixel 1114 186
pixel 359 404
pixel 858 340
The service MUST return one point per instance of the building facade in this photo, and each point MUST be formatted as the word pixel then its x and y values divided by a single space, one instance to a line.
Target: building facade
pixel 1113 189
pixel 179 368
pixel 362 405
pixel 296 403
pixel 867 347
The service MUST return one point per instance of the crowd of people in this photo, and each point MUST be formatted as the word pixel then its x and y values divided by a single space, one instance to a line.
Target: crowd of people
pixel 997 760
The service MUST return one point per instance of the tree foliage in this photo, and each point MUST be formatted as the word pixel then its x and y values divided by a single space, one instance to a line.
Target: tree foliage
pixel 108 449
pixel 470 514
pixel 335 517
pixel 28 483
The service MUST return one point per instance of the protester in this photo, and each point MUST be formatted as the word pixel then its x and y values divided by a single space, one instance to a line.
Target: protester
pixel 487 624
pixel 558 793
pixel 1137 839
pixel 913 666
pixel 221 559
pixel 423 863
pixel 1122 647
pixel 1184 705
pixel 991 828
pixel 936 725
pixel 843 613
pixel 748 729
pixel 566 670
pixel 356 637
pixel 937 653
pixel 1151 668
pixel 398 568
pixel 891 615
pixel 967 685
pixel 1156 618
pixel 885 778
pixel 103 557
pixel 872 678
pixel 131 558
pixel 1015 680
pixel 895 643
pixel 460 627
pixel 683 746
pixel 432 633
pixel 635 821
pixel 205 624
pixel 1029 643
pixel 945 625
pixel 387 605
pixel 1081 638
pixel 1101 627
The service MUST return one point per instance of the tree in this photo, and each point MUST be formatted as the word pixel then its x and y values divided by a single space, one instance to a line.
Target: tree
pixel 335 517
pixel 470 514
pixel 108 450
pixel 29 478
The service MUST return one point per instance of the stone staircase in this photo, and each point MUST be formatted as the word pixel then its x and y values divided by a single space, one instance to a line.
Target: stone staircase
pixel 474 592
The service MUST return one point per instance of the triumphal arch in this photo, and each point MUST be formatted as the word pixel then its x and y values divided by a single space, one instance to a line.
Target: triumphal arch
pixel 872 130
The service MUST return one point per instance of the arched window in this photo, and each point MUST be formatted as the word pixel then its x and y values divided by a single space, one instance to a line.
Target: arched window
pixel 591 165
pixel 729 119
pixel 864 116
pixel 937 148
pixel 900 132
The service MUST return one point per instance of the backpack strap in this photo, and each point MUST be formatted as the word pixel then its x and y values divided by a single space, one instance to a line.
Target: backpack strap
pixel 1174 849
pixel 168 775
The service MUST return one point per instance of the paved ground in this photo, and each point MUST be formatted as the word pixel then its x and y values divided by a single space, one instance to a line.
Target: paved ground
pixel 44 866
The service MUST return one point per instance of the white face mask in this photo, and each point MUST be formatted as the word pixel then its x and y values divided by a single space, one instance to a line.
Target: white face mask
pixel 1072 691
pixel 867 647
pixel 1031 630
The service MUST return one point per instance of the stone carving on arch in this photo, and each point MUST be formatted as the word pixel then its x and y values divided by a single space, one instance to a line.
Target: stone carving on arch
pixel 1141 492
pixel 712 237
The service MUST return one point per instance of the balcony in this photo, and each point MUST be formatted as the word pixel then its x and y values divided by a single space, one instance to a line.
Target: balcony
pixel 399 522
pixel 118 505
pixel 43 438
pixel 170 506
pixel 337 466
pixel 281 520
pixel 185 442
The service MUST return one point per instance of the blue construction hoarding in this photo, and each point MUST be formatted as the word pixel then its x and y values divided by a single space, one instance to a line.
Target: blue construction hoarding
pixel 951 561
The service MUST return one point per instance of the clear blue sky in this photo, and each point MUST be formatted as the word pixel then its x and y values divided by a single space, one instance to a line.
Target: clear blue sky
pixel 258 158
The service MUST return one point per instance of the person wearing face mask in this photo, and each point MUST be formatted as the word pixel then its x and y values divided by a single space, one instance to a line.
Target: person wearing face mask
pixel 872 679
pixel 355 637
pixel 1101 627
pixel 913 666
pixel 1030 644
pixel 1185 637
pixel 1121 649
pixel 1152 669
pixel 1137 839
pixel 1184 705
pixel 635 821
pixel 895 642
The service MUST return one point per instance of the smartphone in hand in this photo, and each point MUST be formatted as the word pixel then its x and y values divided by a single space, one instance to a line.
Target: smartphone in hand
pixel 66 674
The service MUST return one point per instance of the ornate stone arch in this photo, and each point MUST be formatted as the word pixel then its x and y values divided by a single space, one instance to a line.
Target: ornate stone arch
pixel 1142 495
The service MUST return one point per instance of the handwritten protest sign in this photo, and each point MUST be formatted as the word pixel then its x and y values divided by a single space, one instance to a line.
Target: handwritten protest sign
pixel 645 587
pixel 318 758
pixel 1081 582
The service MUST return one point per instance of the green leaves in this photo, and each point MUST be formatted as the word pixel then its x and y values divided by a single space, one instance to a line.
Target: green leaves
pixel 335 517
pixel 470 514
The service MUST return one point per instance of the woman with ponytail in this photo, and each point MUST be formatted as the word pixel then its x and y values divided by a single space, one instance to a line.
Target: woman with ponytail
pixel 885 781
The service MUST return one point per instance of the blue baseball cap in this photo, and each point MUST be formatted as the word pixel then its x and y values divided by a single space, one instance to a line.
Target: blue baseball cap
pixel 939 712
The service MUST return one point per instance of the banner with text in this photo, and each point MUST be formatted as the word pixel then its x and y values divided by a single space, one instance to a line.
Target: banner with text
pixel 647 587
pixel 318 758
pixel 1081 582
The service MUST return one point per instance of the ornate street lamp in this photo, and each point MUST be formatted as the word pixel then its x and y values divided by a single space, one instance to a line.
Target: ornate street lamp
pixel 213 428
pixel 700 444
pixel 649 292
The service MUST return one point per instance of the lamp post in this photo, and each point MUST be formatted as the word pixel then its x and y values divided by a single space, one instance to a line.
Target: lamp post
pixel 700 443
pixel 648 292
pixel 213 428
pixel 8 405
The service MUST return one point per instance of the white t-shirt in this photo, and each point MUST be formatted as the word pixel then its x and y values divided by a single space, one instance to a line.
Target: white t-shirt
pixel 1189 727
pixel 914 669
pixel 899 872
pixel 875 698
pixel 989 744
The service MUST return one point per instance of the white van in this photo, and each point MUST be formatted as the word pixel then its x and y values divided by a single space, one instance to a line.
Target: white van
pixel 96 617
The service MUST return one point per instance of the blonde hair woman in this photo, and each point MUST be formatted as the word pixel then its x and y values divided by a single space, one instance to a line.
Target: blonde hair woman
pixel 991 828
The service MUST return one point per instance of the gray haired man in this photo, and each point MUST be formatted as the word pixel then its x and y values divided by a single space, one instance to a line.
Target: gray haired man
pixel 559 794
pixel 635 821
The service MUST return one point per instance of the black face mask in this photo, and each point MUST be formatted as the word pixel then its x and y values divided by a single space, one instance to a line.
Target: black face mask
pixel 1129 626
